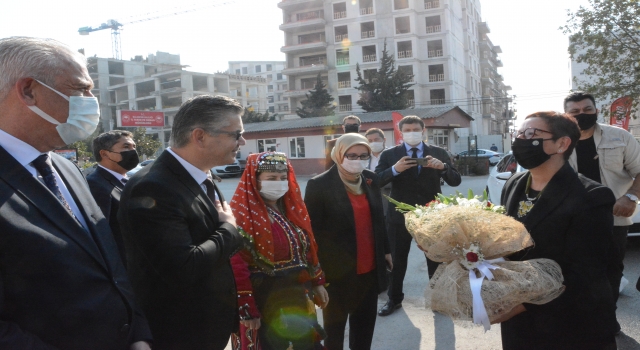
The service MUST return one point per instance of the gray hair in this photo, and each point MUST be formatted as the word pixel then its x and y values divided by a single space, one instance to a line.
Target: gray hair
pixel 106 140
pixel 207 112
pixel 37 58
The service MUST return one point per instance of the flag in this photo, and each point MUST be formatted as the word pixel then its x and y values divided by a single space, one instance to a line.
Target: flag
pixel 397 135
pixel 621 112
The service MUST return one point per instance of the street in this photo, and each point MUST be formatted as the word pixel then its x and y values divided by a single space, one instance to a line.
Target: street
pixel 414 327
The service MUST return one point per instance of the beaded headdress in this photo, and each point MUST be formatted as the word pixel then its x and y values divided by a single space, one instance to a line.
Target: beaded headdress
pixel 273 162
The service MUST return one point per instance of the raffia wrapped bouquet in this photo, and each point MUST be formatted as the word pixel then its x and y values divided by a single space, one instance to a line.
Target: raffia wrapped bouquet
pixel 470 236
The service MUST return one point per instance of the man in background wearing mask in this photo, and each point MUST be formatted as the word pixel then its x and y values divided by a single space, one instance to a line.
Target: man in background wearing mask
pixel 63 284
pixel 350 124
pixel 377 143
pixel 115 152
pixel 610 156
pixel 412 184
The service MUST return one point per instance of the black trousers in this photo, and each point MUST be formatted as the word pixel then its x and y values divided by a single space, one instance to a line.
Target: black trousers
pixel 400 242
pixel 357 299
pixel 619 249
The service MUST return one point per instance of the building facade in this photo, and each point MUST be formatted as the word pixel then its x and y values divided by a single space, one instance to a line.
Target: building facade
pixel 271 71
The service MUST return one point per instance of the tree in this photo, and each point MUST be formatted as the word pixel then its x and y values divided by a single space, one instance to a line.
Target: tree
pixel 145 144
pixel 386 89
pixel 606 37
pixel 318 102
pixel 251 116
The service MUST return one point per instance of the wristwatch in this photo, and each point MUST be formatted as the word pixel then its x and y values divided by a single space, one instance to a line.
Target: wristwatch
pixel 444 170
pixel 633 198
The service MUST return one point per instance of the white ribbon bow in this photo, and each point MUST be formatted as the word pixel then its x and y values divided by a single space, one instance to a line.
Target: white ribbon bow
pixel 479 311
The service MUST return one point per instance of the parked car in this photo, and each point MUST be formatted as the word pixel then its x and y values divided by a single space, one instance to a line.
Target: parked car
pixel 507 166
pixel 229 170
pixel 494 157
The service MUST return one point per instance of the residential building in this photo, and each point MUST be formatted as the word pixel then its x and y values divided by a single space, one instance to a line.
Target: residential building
pixel 435 40
pixel 160 83
pixel 271 71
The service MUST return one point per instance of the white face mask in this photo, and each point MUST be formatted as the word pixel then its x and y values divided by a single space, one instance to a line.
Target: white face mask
pixel 84 116
pixel 273 190
pixel 412 138
pixel 376 146
pixel 355 166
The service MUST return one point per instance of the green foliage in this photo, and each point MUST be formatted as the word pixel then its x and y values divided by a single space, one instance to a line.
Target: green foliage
pixel 145 144
pixel 318 102
pixel 251 116
pixel 85 147
pixel 386 89
pixel 606 36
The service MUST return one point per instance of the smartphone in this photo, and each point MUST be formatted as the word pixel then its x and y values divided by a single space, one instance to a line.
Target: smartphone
pixel 421 161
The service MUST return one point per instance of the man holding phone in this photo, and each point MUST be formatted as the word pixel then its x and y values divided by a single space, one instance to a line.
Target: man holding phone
pixel 414 169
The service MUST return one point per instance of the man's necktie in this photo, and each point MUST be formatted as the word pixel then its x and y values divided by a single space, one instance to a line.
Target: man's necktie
pixel 124 180
pixel 44 167
pixel 211 192
pixel 415 155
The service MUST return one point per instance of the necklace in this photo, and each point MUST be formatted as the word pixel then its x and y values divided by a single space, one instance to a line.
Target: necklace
pixel 526 205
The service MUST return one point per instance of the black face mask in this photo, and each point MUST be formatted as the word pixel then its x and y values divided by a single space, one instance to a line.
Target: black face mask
pixel 129 159
pixel 529 153
pixel 586 121
pixel 351 128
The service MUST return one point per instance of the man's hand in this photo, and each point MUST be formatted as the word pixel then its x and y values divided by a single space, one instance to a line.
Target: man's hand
pixel 389 260
pixel 404 163
pixel 224 213
pixel 624 207
pixel 515 311
pixel 434 163
pixel 251 324
pixel 320 296
pixel 140 345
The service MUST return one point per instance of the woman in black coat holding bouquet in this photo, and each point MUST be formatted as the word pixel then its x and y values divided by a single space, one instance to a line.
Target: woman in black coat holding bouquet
pixel 569 218
pixel 345 207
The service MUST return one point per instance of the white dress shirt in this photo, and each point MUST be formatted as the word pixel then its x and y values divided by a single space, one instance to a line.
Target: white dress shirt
pixel 410 153
pixel 117 175
pixel 197 174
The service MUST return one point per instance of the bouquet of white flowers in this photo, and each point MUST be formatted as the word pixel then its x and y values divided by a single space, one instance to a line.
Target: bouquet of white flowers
pixel 470 236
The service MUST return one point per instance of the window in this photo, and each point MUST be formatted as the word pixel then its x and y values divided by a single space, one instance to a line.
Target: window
pixel 340 10
pixel 405 49
pixel 270 88
pixel 400 4
pixel 296 147
pixel 403 25
pixel 279 76
pixel 268 68
pixel 369 53
pixel 367 30
pixel 271 109
pixel 433 24
pixel 244 70
pixel 408 70
pixel 268 145
pixel 258 68
pixel 341 33
pixel 438 137
pixel 311 38
pixel 344 80
pixel 329 137
pixel 431 4
pixel 237 71
pixel 436 73
pixel 437 96
pixel 369 74
pixel 344 103
pixel 270 99
pixel 342 57
pixel 434 48
pixel 313 60
pixel 411 98
pixel 366 7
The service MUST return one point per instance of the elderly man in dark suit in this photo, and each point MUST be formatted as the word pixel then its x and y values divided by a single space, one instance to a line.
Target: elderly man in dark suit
pixel 413 184
pixel 115 152
pixel 62 283
pixel 179 232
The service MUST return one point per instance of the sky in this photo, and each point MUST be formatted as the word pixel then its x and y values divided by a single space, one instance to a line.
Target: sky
pixel 536 63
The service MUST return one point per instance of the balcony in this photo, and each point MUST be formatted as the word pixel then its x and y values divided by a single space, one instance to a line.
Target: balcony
pixel 341 61
pixel 434 29
pixel 344 108
pixel 436 77
pixel 431 4
pixel 295 5
pixel 295 93
pixel 366 11
pixel 307 69
pixel 436 101
pixel 344 84
pixel 306 47
pixel 435 53
pixel 340 15
pixel 405 54
pixel 412 103
pixel 369 58
pixel 368 34
pixel 173 90
pixel 339 38
pixel 307 24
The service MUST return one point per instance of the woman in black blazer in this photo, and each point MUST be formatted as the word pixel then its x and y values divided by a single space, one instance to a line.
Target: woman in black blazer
pixel 345 207
pixel 570 219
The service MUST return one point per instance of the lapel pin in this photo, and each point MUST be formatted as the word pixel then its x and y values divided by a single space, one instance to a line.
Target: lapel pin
pixel 535 143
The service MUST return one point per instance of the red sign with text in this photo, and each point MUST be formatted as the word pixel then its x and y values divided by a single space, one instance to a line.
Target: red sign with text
pixel 397 135
pixel 140 119
pixel 620 112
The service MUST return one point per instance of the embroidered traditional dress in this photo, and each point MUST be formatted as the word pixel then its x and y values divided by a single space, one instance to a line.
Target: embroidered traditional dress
pixel 278 265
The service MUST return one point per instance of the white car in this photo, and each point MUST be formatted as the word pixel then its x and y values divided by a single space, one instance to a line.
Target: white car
pixel 507 166
pixel 229 170
pixel 493 156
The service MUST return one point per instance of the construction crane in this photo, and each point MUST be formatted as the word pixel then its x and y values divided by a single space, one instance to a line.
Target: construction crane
pixel 115 26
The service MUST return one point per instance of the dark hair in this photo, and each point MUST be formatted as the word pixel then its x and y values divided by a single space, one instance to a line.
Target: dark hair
pixel 560 125
pixel 374 131
pixel 344 120
pixel 206 112
pixel 106 140
pixel 578 96
pixel 411 119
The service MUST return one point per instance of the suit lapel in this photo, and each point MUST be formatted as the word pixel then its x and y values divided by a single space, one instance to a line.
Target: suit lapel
pixel 552 196
pixel 340 197
pixel 117 184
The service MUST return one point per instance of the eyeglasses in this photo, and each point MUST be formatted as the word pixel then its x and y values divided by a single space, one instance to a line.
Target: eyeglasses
pixel 353 156
pixel 529 133
pixel 236 134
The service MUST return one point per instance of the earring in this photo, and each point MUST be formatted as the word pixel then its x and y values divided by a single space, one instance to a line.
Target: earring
pixel 560 150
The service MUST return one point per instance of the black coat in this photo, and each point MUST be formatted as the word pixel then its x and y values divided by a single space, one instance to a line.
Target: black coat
pixel 409 188
pixel 60 286
pixel 178 257
pixel 333 225
pixel 106 190
pixel 571 223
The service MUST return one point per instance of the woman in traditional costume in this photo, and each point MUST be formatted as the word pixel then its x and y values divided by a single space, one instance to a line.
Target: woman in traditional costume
pixel 277 272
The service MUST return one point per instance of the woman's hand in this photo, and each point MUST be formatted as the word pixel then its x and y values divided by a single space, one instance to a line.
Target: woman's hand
pixel 320 296
pixel 251 324
pixel 515 311
pixel 389 260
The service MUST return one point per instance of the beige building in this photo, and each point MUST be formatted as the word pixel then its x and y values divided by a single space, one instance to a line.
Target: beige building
pixel 271 71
